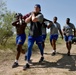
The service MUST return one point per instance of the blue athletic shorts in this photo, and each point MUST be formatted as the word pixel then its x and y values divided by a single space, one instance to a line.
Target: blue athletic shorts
pixel 20 39
pixel 33 39
pixel 55 37
pixel 44 37
pixel 68 38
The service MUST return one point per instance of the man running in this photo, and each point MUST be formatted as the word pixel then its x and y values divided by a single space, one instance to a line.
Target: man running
pixel 68 34
pixel 21 36
pixel 54 34
pixel 35 33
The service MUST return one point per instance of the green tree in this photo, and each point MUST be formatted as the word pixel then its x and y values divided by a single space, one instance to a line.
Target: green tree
pixel 3 8
pixel 6 27
pixel 6 18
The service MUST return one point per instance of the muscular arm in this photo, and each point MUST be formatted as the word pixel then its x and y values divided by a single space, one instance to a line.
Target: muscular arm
pixel 14 23
pixel 38 18
pixel 74 29
pixel 61 33
pixel 28 19
pixel 34 19
pixel 50 23
pixel 74 32
pixel 64 31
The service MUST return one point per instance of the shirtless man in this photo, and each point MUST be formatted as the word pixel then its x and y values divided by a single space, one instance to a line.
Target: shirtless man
pixel 21 36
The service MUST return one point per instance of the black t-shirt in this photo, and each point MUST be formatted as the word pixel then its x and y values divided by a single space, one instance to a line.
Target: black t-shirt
pixel 36 27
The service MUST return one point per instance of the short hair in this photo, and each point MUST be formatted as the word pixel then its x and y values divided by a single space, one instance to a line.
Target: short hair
pixel 18 14
pixel 55 17
pixel 68 19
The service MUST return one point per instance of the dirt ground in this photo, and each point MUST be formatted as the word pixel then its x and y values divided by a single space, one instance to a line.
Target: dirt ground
pixel 60 64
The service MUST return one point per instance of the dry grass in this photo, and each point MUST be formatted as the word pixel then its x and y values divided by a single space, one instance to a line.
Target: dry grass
pixel 61 64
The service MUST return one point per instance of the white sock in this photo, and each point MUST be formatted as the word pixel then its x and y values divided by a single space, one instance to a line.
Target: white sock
pixel 54 50
pixel 16 61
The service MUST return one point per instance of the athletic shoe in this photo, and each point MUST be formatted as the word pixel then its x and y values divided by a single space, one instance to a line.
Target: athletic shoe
pixel 53 53
pixel 26 66
pixel 25 57
pixel 41 59
pixel 68 53
pixel 15 65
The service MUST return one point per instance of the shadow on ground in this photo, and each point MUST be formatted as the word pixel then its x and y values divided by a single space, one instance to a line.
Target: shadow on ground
pixel 66 62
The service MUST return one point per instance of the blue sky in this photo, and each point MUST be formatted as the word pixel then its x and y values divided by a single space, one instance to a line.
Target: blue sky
pixel 61 8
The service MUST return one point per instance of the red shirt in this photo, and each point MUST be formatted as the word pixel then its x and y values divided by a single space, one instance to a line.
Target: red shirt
pixel 27 15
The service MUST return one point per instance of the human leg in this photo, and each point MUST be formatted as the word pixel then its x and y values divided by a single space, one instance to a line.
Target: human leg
pixel 39 43
pixel 68 40
pixel 53 39
pixel 29 52
pixel 15 64
pixel 20 39
pixel 69 44
pixel 43 42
